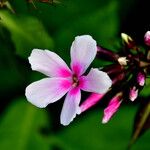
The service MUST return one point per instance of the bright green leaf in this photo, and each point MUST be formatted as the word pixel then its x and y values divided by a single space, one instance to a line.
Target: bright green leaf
pixel 26 32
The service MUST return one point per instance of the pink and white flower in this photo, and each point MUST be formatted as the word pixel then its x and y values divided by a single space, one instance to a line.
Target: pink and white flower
pixel 62 80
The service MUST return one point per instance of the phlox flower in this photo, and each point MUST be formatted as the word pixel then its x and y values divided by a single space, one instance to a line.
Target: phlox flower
pixel 62 80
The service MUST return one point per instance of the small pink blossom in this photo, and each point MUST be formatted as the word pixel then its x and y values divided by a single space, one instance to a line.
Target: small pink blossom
pixel 133 94
pixel 147 38
pixel 112 107
pixel 141 78
pixel 61 79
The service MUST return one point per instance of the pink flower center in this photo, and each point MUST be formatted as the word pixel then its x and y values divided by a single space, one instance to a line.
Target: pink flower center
pixel 75 81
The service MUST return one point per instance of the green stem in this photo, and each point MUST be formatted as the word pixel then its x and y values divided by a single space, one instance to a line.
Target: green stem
pixel 146 113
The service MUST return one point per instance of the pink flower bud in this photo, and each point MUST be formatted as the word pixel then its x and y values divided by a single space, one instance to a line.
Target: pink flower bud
pixel 141 78
pixel 147 38
pixel 112 107
pixel 133 94
pixel 91 101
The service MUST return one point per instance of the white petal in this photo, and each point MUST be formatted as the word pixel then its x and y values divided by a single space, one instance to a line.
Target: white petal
pixel 48 90
pixel 48 63
pixel 96 81
pixel 71 106
pixel 83 52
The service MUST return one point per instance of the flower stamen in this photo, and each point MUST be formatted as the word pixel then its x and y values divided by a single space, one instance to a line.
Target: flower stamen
pixel 75 81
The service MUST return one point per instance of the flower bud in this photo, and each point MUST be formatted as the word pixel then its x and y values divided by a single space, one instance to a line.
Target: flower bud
pixel 147 38
pixel 128 41
pixel 113 69
pixel 91 101
pixel 119 77
pixel 141 79
pixel 112 107
pixel 122 61
pixel 133 94
pixel 104 53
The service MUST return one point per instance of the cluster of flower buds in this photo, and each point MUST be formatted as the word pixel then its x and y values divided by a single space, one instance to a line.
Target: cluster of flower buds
pixel 128 72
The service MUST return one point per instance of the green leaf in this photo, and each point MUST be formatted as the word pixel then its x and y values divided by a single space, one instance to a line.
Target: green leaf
pixel 19 6
pixel 26 32
pixel 145 92
pixel 20 127
pixel 141 123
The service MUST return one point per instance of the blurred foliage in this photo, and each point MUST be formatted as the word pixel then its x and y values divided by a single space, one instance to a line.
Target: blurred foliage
pixel 23 127
pixel 145 92
pixel 54 26
pixel 142 121
pixel 26 33
pixel 96 136
pixel 20 127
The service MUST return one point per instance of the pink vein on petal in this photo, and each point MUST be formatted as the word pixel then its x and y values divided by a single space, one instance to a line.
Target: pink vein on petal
pixel 66 84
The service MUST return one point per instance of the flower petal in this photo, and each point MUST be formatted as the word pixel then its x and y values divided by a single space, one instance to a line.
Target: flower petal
pixel 71 106
pixel 83 52
pixel 96 81
pixel 48 63
pixel 48 90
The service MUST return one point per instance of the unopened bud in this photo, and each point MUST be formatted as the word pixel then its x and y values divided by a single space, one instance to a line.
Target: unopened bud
pixel 113 69
pixel 141 78
pixel 147 38
pixel 112 107
pixel 118 78
pixel 133 94
pixel 107 54
pixel 91 101
pixel 122 61
pixel 128 40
